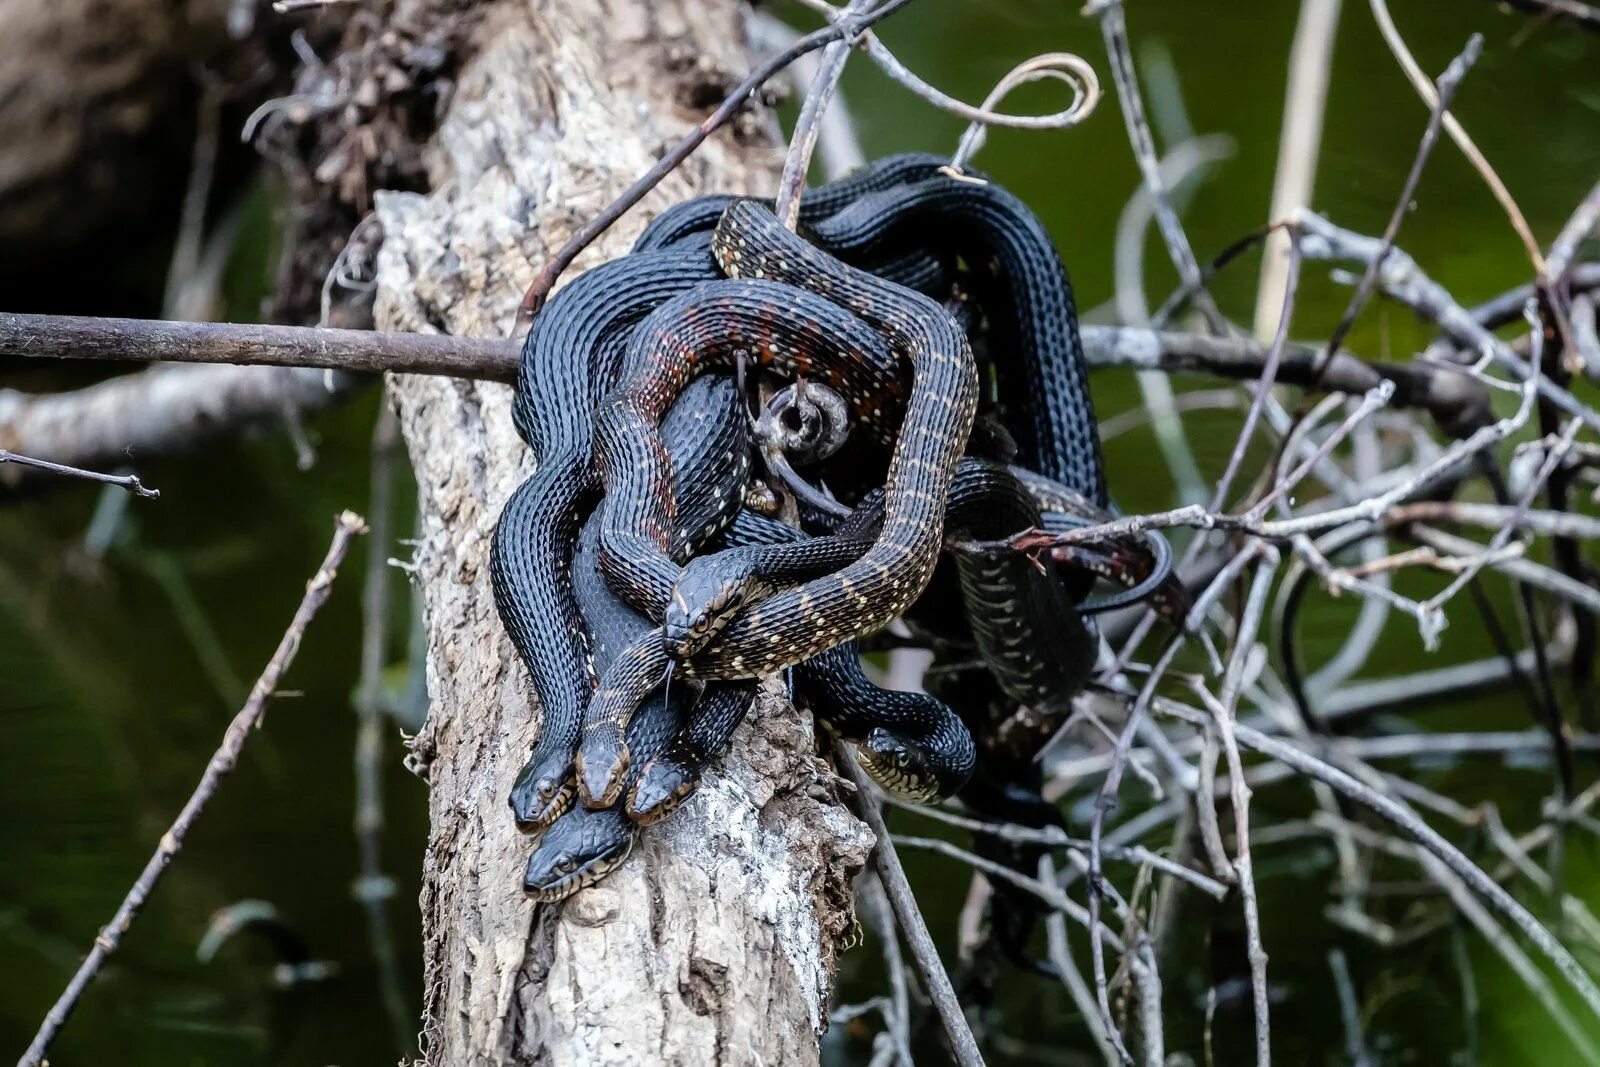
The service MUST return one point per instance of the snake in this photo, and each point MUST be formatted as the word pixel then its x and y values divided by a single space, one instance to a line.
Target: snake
pixel 701 214
pixel 909 165
pixel 1023 288
pixel 911 744
pixel 569 349
pixel 582 845
pixel 1029 306
pixel 800 621
pixel 896 208
pixel 571 354
pixel 707 434
pixel 1031 637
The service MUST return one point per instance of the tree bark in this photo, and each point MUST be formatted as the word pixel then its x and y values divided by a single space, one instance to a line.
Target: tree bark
pixel 716 941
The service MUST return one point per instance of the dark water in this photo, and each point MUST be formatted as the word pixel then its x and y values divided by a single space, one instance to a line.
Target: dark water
pixel 122 659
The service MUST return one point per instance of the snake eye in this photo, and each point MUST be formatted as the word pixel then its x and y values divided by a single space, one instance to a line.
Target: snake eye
pixel 547 788
pixel 902 760
pixel 565 864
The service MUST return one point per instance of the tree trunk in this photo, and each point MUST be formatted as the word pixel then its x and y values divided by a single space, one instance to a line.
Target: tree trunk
pixel 716 941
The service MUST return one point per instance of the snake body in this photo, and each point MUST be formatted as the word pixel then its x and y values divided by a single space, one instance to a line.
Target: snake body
pixel 796 623
pixel 707 436
pixel 898 208
pixel 912 745
pixel 570 355
pixel 885 218
pixel 701 215
pixel 1027 300
pixel 1030 635
pixel 584 844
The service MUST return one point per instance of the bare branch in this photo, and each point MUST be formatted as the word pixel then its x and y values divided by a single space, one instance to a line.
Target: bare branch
pixel 1424 835
pixel 222 762
pixel 1573 11
pixel 130 482
pixel 934 977
pixel 153 340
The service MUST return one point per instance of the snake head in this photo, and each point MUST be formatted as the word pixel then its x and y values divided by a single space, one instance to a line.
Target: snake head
pixel 601 764
pixel 543 792
pixel 577 851
pixel 911 771
pixel 708 594
pixel 663 786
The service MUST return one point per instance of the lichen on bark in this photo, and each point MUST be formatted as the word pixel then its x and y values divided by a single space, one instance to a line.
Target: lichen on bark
pixel 716 941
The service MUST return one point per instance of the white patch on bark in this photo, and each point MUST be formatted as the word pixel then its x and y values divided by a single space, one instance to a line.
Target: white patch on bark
pixel 715 941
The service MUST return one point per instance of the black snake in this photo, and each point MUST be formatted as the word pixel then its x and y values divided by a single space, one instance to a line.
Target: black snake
pixel 764 323
pixel 882 218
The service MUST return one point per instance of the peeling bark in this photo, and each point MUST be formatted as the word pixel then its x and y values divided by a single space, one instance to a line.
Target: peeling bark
pixel 716 941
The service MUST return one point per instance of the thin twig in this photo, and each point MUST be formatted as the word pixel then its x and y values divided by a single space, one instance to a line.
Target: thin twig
pixel 1581 224
pixel 803 141
pixel 1107 794
pixel 1223 711
pixel 935 980
pixel 838 146
pixel 1579 14
pixel 1086 95
pixel 1498 516
pixel 1445 392
pixel 874 905
pixel 1056 837
pixel 1355 1042
pixel 130 482
pixel 1055 926
pixel 1505 533
pixel 373 887
pixel 1458 134
pixel 1114 28
pixel 1189 157
pixel 222 761
pixel 1444 93
pixel 1404 819
pixel 1269 374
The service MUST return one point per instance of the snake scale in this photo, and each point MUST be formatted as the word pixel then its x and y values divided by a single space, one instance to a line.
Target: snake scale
pixel 703 435
pixel 798 622
pixel 569 361
pixel 906 222
pixel 570 355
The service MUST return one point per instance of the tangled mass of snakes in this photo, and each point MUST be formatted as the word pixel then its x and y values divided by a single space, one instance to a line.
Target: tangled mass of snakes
pixel 758 448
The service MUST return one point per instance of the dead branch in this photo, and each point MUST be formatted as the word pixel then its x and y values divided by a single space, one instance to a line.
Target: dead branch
pixel 152 340
pixel 1573 11
pixel 130 482
pixel 935 980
